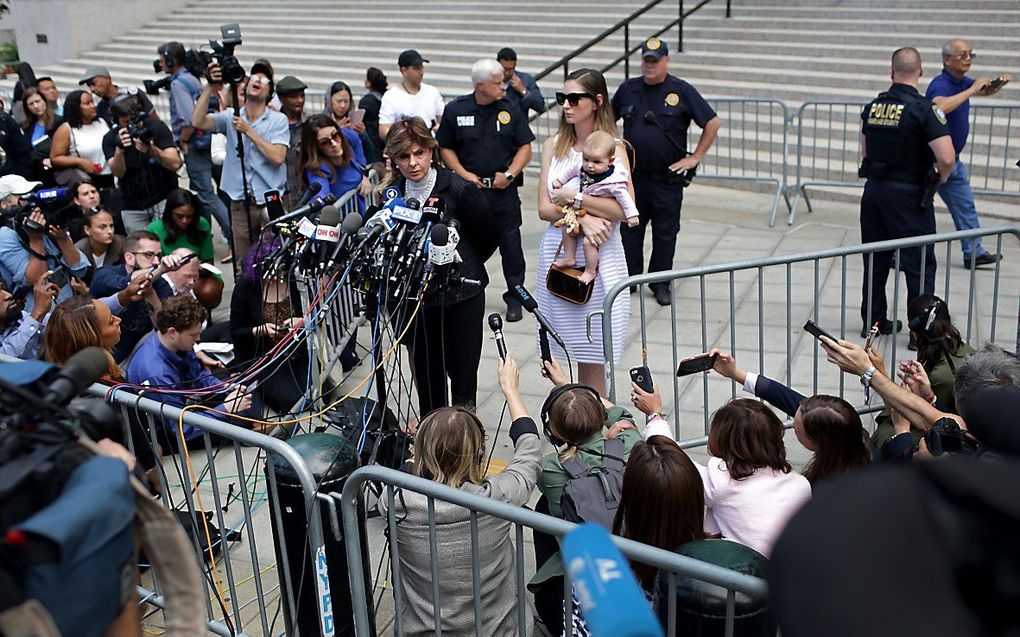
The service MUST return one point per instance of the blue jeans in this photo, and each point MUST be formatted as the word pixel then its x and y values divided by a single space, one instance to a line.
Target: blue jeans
pixel 200 168
pixel 957 195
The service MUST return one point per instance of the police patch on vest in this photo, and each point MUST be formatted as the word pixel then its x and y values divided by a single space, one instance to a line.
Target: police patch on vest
pixel 653 44
pixel 938 113
pixel 885 114
pixel 503 117
pixel 465 120
pixel 672 99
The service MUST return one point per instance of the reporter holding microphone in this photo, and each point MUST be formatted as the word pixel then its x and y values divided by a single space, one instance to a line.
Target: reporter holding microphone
pixel 446 338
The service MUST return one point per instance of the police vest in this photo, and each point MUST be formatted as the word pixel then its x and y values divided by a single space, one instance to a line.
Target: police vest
pixel 893 130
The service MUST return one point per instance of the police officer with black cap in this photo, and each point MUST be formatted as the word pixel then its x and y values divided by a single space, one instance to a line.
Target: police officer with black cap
pixel 657 108
pixel 907 153
pixel 486 140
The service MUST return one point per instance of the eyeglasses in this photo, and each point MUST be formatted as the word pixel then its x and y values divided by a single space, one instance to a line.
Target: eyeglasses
pixel 336 137
pixel 149 255
pixel 573 98
pixel 965 55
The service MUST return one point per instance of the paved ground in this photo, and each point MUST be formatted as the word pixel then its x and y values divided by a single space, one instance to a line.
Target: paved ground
pixel 719 226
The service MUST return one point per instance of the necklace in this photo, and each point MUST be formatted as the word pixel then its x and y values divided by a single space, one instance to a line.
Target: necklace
pixel 422 189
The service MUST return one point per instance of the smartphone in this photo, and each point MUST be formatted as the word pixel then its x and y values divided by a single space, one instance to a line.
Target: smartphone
pixel 996 83
pixel 59 278
pixel 356 116
pixel 641 377
pixel 815 330
pixel 872 334
pixel 695 364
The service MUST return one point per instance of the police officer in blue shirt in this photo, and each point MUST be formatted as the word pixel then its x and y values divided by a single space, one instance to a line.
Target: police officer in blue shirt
pixel 657 109
pixel 486 140
pixel 951 91
pixel 907 153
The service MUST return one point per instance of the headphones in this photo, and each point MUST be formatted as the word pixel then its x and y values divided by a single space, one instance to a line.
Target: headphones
pixel 164 51
pixel 550 401
pixel 474 418
pixel 922 323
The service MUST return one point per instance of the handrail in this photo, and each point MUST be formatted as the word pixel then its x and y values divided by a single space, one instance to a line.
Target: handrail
pixel 625 25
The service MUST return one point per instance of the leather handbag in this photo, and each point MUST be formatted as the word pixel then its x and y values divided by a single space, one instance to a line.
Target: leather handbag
pixel 565 283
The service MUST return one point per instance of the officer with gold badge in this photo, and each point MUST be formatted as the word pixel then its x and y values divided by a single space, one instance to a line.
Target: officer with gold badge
pixel 907 153
pixel 486 140
pixel 657 109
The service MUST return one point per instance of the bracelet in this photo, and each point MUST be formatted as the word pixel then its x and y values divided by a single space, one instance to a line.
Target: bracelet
pixel 657 414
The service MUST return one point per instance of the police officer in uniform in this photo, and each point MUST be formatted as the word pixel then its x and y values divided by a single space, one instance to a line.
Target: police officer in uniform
pixel 486 140
pixel 657 108
pixel 907 153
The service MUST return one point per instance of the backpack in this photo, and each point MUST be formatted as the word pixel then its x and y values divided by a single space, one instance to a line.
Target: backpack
pixel 593 493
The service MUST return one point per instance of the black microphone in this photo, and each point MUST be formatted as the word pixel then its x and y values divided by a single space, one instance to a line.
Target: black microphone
pixel 496 325
pixel 274 204
pixel 313 189
pixel 81 370
pixel 311 207
pixel 528 303
pixel 351 223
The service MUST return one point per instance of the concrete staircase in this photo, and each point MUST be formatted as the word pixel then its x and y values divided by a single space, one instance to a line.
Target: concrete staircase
pixel 795 51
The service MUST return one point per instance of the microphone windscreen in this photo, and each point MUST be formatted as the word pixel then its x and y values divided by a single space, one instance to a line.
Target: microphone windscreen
pixel 314 188
pixel 495 322
pixel 440 235
pixel 351 223
pixel 413 203
pixel 88 365
pixel 330 216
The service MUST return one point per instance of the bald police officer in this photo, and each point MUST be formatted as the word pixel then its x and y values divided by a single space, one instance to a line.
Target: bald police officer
pixel 486 140
pixel 907 152
pixel 657 109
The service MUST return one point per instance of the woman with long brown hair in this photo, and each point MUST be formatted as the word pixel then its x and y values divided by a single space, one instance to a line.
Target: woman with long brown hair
pixel 81 322
pixel 586 108
pixel 328 159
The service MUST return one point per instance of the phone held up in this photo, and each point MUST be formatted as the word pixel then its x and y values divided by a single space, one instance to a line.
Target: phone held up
pixel 815 330
pixel 695 364
pixel 641 377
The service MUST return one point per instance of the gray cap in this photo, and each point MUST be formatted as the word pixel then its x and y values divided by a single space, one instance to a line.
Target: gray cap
pixel 94 71
pixel 290 84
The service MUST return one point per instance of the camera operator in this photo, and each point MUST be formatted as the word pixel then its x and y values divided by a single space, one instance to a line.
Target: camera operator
pixel 30 245
pixel 97 79
pixel 142 155
pixel 265 137
pixel 21 332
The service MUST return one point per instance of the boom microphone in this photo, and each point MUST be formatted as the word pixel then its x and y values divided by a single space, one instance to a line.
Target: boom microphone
pixel 529 303
pixel 81 370
pixel 313 189
pixel 496 325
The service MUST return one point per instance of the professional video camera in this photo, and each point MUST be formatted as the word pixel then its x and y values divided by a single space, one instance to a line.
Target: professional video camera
pixel 56 204
pixel 223 54
pixel 195 60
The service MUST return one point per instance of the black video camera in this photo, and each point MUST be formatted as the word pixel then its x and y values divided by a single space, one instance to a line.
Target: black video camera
pixel 131 106
pixel 56 204
pixel 223 54
pixel 195 61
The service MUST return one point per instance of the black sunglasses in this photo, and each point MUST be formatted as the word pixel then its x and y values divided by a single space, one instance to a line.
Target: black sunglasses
pixel 573 98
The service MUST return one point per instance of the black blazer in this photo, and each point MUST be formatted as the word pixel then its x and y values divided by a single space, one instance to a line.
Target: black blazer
pixel 246 313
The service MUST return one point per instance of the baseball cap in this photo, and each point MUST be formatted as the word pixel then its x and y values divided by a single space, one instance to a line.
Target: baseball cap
pixel 654 48
pixel 263 68
pixel 290 84
pixel 410 57
pixel 16 185
pixel 93 71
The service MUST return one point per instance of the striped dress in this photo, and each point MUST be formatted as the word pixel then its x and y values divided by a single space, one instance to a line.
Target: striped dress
pixel 570 319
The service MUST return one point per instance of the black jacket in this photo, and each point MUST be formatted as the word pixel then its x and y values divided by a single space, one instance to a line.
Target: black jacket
pixel 16 146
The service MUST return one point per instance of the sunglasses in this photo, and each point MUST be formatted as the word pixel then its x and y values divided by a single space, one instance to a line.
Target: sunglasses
pixel 966 55
pixel 573 98
pixel 335 137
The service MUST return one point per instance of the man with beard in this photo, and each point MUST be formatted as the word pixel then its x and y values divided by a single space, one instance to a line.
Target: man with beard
pixel 21 332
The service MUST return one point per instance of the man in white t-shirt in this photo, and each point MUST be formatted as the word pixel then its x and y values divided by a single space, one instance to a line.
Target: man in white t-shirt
pixel 412 97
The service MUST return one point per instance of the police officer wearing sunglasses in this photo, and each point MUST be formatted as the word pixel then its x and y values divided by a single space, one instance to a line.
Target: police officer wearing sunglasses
pixel 657 109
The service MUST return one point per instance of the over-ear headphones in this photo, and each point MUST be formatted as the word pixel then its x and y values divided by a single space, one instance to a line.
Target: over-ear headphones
pixel 427 421
pixel 550 401
pixel 921 324
pixel 164 51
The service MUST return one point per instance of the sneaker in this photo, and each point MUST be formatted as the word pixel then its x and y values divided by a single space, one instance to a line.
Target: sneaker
pixel 663 296
pixel 513 312
pixel 982 259
pixel 885 326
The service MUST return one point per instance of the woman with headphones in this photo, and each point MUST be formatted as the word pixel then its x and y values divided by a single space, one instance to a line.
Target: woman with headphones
pixel 449 447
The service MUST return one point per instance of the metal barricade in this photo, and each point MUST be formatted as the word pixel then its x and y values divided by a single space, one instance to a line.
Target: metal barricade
pixel 520 518
pixel 751 146
pixel 244 588
pixel 828 147
pixel 992 153
pixel 756 308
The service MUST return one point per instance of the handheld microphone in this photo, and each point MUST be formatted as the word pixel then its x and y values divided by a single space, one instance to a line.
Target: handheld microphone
pixel 81 370
pixel 529 303
pixel 313 189
pixel 351 223
pixel 274 204
pixel 608 595
pixel 496 325
pixel 325 232
pixel 311 207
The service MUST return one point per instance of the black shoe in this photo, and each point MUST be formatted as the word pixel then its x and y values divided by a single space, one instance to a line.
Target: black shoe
pixel 513 312
pixel 663 296
pixel 982 259
pixel 633 289
pixel 912 345
pixel 885 326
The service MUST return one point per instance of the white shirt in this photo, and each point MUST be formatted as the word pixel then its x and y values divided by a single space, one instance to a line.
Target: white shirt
pixel 398 104
pixel 99 259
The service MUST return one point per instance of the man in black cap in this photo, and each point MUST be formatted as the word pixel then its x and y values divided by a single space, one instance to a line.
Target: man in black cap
pixel 412 97
pixel 291 92
pixel 657 108
pixel 97 78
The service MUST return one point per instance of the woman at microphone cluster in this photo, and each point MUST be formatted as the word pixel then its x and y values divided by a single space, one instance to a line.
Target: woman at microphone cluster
pixel 446 338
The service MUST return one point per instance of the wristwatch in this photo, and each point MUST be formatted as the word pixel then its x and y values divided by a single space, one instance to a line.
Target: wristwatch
pixel 509 175
pixel 867 376
pixel 657 414
pixel 577 201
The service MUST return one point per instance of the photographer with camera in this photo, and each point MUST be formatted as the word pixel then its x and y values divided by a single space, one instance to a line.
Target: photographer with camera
pixel 142 155
pixel 33 241
pixel 21 332
pixel 97 79
pixel 257 142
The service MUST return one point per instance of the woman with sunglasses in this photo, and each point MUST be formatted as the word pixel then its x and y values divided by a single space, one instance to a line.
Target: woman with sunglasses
pixel 328 160
pixel 586 108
